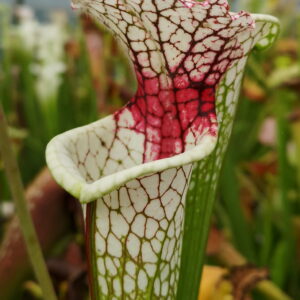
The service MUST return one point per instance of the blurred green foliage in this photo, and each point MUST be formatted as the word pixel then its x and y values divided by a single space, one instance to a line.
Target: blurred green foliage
pixel 259 196
pixel 259 202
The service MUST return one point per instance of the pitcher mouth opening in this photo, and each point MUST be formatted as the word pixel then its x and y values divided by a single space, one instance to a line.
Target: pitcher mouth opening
pixel 68 173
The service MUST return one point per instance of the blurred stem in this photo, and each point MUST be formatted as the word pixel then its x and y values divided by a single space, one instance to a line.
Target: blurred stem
pixel 285 251
pixel 269 289
pixel 230 194
pixel 28 230
pixel 296 138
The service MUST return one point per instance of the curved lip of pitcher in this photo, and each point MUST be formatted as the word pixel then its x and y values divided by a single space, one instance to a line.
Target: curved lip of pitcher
pixel 263 17
pixel 88 192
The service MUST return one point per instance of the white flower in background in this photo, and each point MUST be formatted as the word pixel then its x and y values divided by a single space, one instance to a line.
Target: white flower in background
pixel 24 12
pixel 50 56
pixel 28 28
pixel 45 41
pixel 48 79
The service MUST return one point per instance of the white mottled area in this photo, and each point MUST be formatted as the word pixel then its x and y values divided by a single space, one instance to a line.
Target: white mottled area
pixel 100 151
pixel 139 225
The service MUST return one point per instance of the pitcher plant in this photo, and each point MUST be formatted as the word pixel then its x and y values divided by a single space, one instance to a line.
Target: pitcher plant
pixel 132 170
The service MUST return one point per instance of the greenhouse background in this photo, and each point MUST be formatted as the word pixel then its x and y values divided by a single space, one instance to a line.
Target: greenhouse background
pixel 60 70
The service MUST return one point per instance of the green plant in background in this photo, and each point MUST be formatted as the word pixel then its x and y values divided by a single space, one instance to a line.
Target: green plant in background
pixel 17 190
pixel 131 169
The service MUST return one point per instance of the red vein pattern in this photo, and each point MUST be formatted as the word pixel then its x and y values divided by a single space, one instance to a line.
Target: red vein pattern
pixel 180 50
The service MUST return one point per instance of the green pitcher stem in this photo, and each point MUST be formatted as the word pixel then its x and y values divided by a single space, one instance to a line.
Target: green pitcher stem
pixel 27 227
